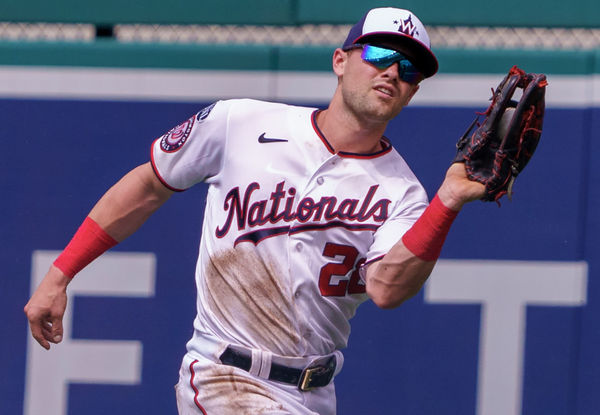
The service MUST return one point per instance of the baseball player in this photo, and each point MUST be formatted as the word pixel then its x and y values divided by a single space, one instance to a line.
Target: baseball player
pixel 309 213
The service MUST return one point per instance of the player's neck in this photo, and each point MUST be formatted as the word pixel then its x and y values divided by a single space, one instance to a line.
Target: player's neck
pixel 347 134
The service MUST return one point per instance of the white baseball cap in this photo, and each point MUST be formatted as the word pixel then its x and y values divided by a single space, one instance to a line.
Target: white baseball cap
pixel 401 27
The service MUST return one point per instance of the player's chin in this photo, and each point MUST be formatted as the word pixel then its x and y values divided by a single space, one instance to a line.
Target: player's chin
pixel 387 108
pixel 382 118
pixel 378 110
pixel 386 113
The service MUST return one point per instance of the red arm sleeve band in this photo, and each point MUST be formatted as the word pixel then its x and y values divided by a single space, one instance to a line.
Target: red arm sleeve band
pixel 89 242
pixel 426 237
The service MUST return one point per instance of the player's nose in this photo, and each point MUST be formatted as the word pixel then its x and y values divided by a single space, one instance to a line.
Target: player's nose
pixel 392 71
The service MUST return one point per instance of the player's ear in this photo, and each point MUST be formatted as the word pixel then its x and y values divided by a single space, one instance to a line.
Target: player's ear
pixel 339 61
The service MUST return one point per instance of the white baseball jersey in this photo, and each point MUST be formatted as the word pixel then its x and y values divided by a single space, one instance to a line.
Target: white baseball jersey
pixel 287 223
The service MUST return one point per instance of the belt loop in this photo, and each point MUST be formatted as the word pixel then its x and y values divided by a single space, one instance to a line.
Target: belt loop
pixel 256 362
pixel 340 362
pixel 265 367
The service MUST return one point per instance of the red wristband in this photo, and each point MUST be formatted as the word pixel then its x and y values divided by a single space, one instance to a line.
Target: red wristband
pixel 427 235
pixel 89 242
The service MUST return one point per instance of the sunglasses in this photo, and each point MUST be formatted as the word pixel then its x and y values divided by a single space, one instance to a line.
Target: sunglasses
pixel 383 58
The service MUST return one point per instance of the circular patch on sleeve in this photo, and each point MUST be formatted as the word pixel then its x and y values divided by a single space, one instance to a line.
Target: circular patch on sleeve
pixel 174 139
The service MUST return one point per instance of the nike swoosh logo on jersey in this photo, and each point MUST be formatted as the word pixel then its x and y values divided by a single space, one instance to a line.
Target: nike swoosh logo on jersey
pixel 262 139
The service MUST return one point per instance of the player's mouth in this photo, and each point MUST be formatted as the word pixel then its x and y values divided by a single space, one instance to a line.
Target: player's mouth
pixel 385 90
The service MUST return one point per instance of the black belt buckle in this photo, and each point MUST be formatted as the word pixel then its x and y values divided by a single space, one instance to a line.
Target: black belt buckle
pixel 318 374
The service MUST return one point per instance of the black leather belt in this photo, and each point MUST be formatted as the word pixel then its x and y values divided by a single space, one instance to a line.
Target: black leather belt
pixel 318 374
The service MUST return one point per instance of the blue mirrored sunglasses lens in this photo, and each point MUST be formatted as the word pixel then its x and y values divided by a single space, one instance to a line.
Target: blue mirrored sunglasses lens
pixel 409 73
pixel 382 58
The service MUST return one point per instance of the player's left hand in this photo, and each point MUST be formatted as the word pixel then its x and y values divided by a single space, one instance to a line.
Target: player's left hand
pixel 504 142
pixel 457 189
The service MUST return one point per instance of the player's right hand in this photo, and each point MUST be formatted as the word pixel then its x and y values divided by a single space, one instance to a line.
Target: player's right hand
pixel 46 308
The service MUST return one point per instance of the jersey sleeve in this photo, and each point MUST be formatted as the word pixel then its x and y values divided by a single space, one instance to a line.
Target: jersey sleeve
pixel 192 152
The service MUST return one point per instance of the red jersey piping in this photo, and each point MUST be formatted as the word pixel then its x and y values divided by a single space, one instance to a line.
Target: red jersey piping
pixel 385 143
